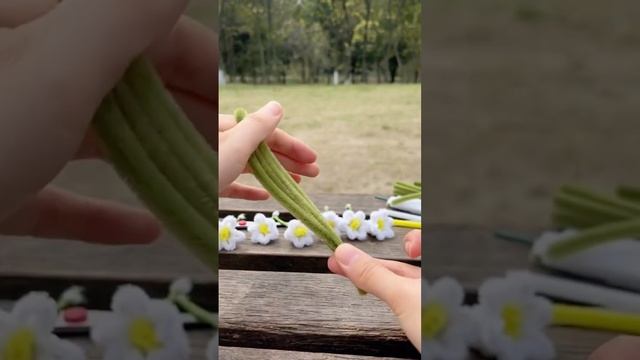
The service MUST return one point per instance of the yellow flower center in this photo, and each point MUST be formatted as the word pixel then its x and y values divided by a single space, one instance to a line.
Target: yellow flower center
pixel 300 231
pixel 21 345
pixel 380 224
pixel 331 223
pixel 513 318
pixel 434 320
pixel 225 234
pixel 143 336
pixel 263 228
pixel 354 224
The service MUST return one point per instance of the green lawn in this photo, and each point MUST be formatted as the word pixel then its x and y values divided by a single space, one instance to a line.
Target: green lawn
pixel 366 136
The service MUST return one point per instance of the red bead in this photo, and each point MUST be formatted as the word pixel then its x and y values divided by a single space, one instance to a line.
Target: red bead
pixel 76 314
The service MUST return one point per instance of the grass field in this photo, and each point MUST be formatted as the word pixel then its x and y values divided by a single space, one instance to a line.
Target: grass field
pixel 366 136
pixel 523 96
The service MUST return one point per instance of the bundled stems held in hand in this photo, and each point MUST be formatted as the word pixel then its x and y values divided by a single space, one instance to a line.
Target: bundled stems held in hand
pixel 277 181
pixel 163 158
pixel 403 188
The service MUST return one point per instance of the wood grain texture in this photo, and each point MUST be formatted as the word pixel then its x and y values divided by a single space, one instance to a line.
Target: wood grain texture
pixel 306 312
pixel 235 353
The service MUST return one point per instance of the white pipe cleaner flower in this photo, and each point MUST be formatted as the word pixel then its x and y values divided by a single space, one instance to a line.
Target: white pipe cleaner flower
pixel 263 229
pixel 228 235
pixel 73 295
pixel 381 224
pixel 212 348
pixel 446 330
pixel 334 221
pixel 355 225
pixel 141 328
pixel 511 321
pixel 26 332
pixel 299 235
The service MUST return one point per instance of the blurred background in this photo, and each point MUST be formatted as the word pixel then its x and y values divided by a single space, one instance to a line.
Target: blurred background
pixel 524 96
pixel 347 73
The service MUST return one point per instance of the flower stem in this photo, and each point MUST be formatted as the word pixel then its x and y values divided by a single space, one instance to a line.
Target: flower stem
pixel 593 237
pixel 596 318
pixel 407 224
pixel 194 309
pixel 405 198
pixel 403 188
pixel 279 220
pixel 629 193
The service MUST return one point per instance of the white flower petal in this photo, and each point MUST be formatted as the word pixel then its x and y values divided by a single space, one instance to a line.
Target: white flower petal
pixel 36 309
pixel 130 300
pixel 212 348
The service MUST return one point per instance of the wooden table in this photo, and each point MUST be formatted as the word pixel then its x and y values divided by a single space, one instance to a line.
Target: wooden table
pixel 36 264
pixel 472 254
pixel 283 299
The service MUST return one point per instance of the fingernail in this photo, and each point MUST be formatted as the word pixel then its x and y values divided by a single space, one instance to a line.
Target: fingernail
pixel 274 108
pixel 346 254
pixel 407 247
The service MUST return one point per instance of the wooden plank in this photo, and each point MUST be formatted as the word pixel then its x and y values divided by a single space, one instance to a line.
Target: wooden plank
pixel 469 253
pixel 280 255
pixel 306 312
pixel 235 353
pixel 99 290
pixel 165 259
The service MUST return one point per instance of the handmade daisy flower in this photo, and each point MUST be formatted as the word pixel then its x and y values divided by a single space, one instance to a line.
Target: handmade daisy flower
pixel 333 220
pixel 355 225
pixel 299 235
pixel 263 229
pixel 26 332
pixel 511 321
pixel 141 328
pixel 381 224
pixel 72 296
pixel 446 330
pixel 228 235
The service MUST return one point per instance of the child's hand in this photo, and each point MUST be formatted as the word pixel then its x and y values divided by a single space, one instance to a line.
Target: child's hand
pixel 239 141
pixel 398 284
pixel 57 62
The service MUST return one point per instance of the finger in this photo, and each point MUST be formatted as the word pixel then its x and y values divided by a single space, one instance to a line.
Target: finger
pixel 54 213
pixel 310 170
pixel 413 243
pixel 226 122
pixel 77 32
pixel 398 268
pixel 369 274
pixel 245 137
pixel 187 60
pixel 241 191
pixel 291 147
pixel 68 52
pixel 17 12
pixel 620 348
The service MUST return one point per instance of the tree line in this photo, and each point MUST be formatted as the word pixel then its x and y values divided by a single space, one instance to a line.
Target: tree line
pixel 320 41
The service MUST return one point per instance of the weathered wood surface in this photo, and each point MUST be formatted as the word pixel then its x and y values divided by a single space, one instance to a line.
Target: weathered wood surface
pixel 282 256
pixel 198 340
pixel 469 253
pixel 306 312
pixel 235 353
pixel 166 258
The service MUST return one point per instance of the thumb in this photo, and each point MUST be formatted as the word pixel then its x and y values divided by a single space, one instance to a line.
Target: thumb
pixel 368 274
pixel 255 128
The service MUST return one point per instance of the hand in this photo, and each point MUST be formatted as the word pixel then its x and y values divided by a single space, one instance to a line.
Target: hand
pixel 57 62
pixel 239 140
pixel 398 284
pixel 620 348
